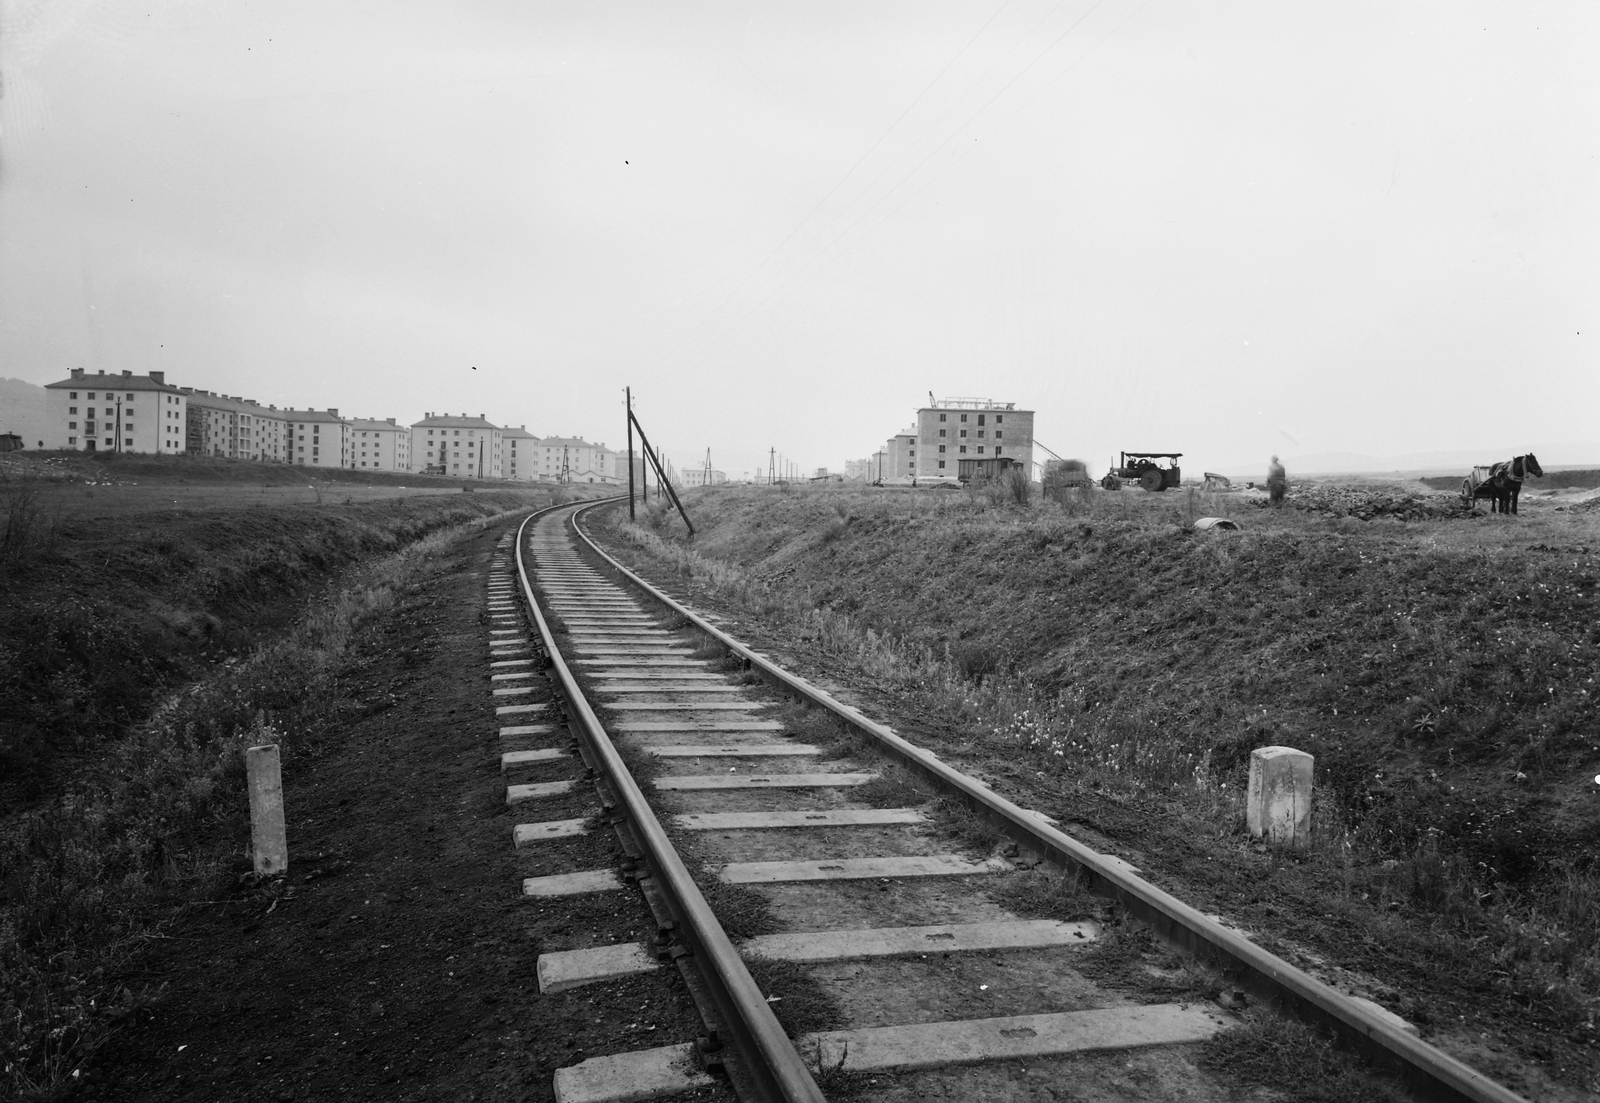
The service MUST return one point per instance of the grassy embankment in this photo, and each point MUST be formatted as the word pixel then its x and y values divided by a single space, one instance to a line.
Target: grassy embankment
pixel 1442 672
pixel 139 653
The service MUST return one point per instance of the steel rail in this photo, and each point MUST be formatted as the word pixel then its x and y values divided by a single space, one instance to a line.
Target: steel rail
pixel 1428 1069
pixel 768 1056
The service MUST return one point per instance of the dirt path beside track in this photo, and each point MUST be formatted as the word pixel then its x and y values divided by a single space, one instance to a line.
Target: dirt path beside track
pixel 397 961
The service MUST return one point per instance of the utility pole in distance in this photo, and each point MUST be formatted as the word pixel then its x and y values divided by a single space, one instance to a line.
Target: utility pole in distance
pixel 629 392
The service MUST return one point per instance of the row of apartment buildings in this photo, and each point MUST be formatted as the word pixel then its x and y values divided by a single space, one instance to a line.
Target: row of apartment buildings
pixel 952 439
pixel 144 413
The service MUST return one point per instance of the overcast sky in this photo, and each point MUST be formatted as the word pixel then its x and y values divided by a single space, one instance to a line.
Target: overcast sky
pixel 1226 229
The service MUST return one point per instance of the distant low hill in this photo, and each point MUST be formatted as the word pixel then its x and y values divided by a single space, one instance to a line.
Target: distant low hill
pixel 22 411
pixel 1458 462
pixel 1579 479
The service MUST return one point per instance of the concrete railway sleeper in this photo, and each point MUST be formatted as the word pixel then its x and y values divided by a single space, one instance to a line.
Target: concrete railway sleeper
pixel 943 990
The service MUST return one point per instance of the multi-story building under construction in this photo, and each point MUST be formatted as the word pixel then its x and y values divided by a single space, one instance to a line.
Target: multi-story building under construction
pixel 955 429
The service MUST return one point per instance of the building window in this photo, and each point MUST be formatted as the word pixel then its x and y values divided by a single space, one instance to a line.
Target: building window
pixel 963 432
pixel 73 395
pixel 997 449
pixel 91 396
pixel 998 434
pixel 963 417
pixel 997 419
pixel 980 449
pixel 980 419
pixel 72 440
pixel 980 432
pixel 941 432
pixel 72 409
pixel 941 448
pixel 72 425
pixel 962 449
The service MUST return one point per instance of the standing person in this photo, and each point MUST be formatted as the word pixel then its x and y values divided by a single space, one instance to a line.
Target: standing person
pixel 1277 482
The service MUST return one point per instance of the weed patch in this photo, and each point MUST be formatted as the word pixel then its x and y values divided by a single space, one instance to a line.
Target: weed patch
pixel 1278 1053
pixel 1035 894
pixel 894 787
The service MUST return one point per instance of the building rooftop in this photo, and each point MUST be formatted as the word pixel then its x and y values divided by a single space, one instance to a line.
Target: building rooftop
pixel 968 404
pixel 330 414
pixel 116 381
pixel 232 403
pixel 454 421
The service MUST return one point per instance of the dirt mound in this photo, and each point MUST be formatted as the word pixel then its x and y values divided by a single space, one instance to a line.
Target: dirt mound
pixel 1368 503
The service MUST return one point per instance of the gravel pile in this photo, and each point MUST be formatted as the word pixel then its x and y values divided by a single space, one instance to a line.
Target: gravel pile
pixel 1367 503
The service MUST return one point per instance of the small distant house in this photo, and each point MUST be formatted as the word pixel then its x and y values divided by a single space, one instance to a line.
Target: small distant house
pixel 10 442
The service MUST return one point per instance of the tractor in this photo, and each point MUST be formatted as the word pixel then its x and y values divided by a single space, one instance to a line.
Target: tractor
pixel 1145 469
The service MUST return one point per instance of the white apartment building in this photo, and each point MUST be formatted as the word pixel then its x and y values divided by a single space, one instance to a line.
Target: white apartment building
pixel 897 459
pixel 970 428
pixel 234 427
pixel 116 413
pixel 213 429
pixel 320 438
pixel 698 476
pixel 462 447
pixel 269 431
pixel 519 453
pixel 379 444
pixel 575 460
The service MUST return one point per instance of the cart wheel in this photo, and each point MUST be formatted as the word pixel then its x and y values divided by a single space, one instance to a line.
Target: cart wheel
pixel 1109 481
pixel 1152 480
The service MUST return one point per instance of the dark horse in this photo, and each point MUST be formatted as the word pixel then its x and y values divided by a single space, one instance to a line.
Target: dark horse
pixel 1500 483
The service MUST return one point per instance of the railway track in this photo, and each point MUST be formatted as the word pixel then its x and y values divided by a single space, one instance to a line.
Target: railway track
pixel 863 885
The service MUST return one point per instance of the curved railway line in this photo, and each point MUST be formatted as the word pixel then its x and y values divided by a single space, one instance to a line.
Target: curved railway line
pixel 941 987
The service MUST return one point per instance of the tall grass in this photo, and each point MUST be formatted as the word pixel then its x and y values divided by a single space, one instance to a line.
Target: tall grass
pixel 90 879
pixel 27 529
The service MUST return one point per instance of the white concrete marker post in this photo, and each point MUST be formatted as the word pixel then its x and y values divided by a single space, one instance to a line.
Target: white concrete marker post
pixel 1279 803
pixel 269 845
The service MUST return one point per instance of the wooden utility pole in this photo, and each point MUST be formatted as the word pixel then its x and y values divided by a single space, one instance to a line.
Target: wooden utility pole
pixel 629 392
pixel 663 481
